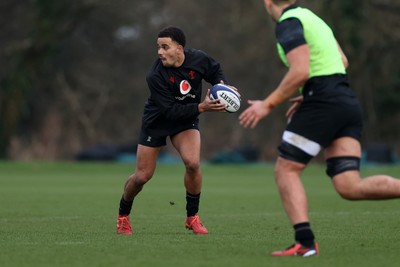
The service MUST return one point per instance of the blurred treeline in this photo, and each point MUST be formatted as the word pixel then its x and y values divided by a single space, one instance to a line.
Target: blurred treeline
pixel 72 73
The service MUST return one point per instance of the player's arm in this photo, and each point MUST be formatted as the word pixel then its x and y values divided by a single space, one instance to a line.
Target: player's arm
pixel 213 74
pixel 290 35
pixel 297 75
pixel 295 78
pixel 213 71
pixel 344 58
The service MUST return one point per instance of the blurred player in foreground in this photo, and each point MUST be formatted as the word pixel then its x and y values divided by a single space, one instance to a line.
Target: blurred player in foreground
pixel 172 110
pixel 326 116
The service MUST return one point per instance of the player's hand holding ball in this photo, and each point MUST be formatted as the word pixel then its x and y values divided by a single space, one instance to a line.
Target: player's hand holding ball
pixel 227 95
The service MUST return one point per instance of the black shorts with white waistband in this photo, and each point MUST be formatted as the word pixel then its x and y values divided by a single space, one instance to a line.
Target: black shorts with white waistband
pixel 330 110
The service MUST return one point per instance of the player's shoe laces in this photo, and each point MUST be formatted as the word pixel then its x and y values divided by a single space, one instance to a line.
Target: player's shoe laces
pixel 193 223
pixel 123 225
pixel 298 249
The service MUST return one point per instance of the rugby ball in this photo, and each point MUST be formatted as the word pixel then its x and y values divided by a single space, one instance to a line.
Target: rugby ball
pixel 227 96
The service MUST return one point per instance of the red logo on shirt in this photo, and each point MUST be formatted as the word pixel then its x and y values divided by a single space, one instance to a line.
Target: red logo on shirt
pixel 172 79
pixel 185 87
pixel 191 74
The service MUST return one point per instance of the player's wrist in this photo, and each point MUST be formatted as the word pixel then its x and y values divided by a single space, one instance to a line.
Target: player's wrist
pixel 200 108
pixel 274 99
pixel 268 104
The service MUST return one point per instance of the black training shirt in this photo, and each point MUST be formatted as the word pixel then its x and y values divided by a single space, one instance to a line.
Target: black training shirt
pixel 176 92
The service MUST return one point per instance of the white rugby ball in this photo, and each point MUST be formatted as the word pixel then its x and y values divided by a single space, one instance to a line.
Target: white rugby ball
pixel 227 96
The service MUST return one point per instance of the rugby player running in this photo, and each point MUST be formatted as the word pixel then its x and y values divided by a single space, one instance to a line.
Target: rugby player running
pixel 172 110
pixel 326 116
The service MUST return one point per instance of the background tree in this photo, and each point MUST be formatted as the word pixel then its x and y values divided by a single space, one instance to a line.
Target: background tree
pixel 73 72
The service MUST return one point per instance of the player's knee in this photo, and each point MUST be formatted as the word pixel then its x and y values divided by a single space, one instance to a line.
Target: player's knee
pixel 192 167
pixel 140 178
pixel 284 167
pixel 347 192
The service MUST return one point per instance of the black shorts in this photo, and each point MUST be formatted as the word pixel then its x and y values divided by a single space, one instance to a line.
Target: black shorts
pixel 154 137
pixel 330 110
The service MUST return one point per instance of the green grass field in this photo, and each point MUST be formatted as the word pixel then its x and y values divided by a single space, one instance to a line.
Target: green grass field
pixel 64 214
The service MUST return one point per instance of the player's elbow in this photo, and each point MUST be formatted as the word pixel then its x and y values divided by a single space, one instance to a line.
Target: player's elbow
pixel 345 62
pixel 302 75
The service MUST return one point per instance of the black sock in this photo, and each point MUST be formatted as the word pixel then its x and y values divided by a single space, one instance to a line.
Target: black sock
pixel 192 204
pixel 125 207
pixel 303 234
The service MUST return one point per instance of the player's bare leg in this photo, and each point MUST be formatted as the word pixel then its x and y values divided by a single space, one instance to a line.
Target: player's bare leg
pixel 294 200
pixel 350 185
pixel 291 189
pixel 145 167
pixel 188 143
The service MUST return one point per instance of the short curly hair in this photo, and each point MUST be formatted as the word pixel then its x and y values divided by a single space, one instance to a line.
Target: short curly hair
pixel 175 33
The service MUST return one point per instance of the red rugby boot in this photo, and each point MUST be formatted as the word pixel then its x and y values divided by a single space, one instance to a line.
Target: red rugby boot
pixel 193 223
pixel 298 249
pixel 123 225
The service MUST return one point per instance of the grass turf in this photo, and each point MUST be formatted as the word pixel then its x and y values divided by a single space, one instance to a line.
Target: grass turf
pixel 64 214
